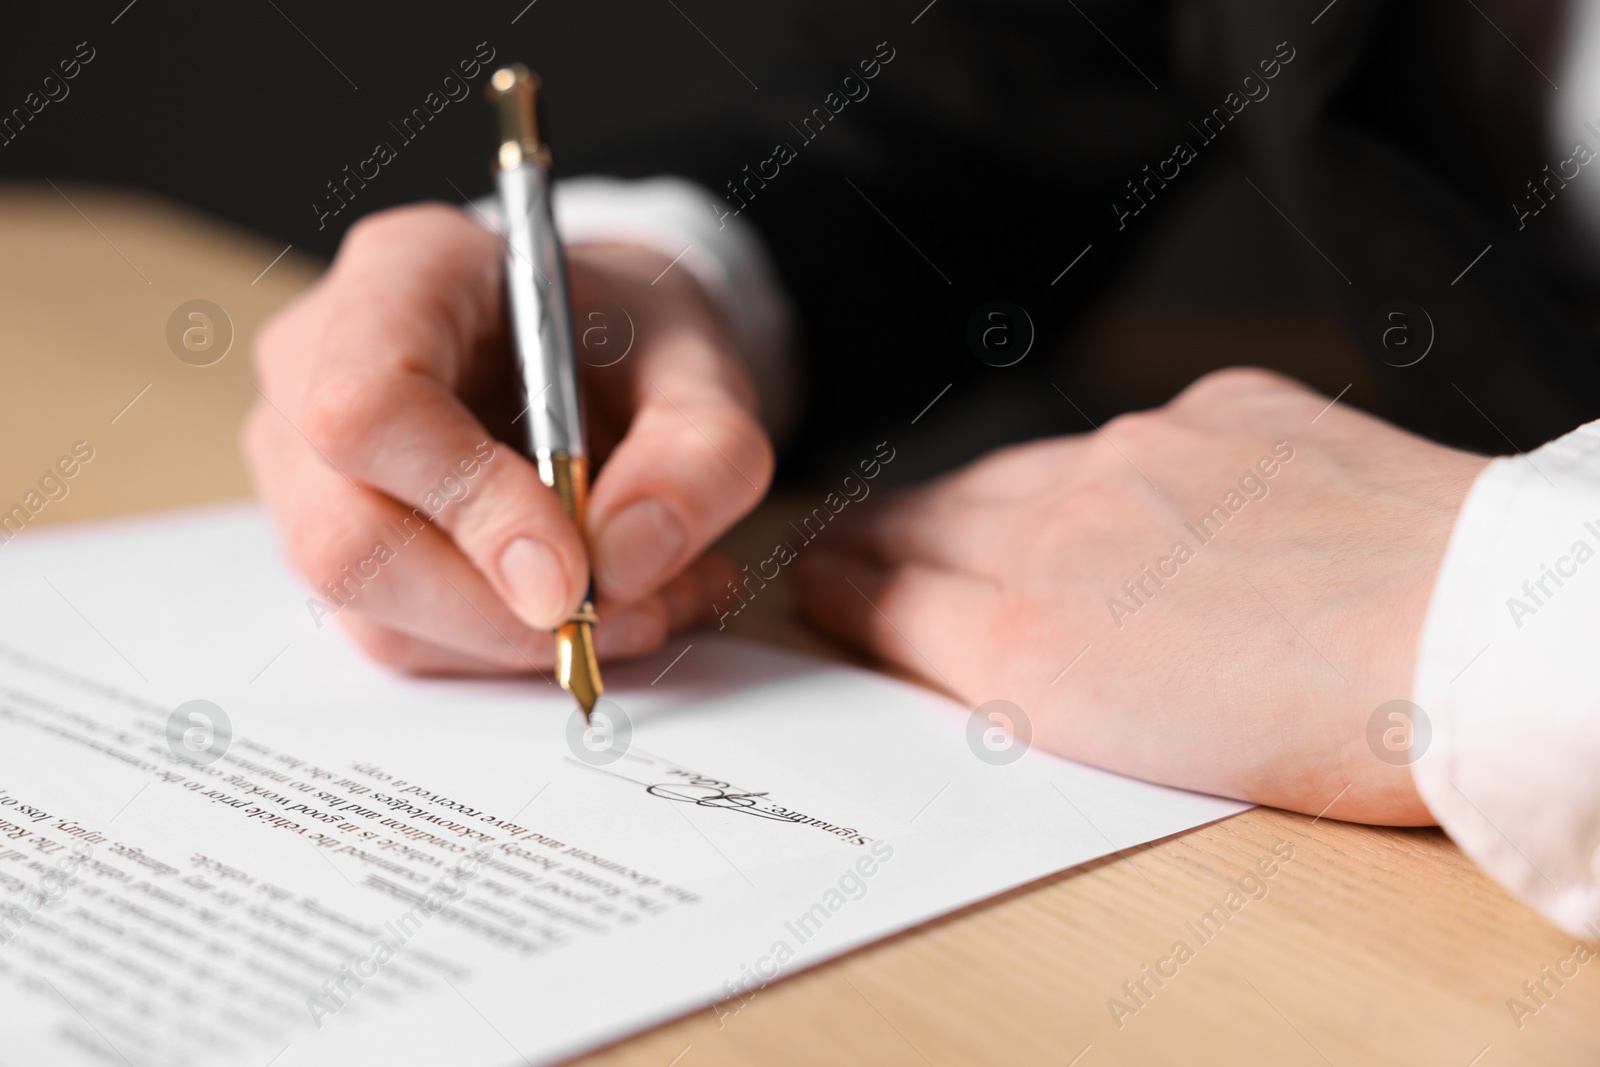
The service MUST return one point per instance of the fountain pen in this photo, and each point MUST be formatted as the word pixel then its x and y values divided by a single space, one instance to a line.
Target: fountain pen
pixel 541 341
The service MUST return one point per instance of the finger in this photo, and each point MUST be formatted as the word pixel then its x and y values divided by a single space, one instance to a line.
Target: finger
pixel 693 461
pixel 365 554
pixel 363 557
pixel 1017 471
pixel 920 618
pixel 413 655
pixel 404 651
pixel 426 591
pixel 624 632
pixel 690 598
pixel 939 527
pixel 411 298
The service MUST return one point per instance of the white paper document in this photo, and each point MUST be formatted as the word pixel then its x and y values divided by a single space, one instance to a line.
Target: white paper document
pixel 327 863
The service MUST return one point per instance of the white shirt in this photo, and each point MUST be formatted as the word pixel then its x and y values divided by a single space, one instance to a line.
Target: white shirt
pixel 1513 769
pixel 1508 673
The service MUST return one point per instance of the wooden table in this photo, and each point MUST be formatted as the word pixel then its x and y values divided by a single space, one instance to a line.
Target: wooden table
pixel 1371 946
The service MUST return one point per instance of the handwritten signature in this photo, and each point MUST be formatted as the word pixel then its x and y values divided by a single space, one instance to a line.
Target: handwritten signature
pixel 691 787
pixel 711 793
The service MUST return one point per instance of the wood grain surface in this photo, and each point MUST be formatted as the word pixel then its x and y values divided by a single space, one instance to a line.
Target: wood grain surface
pixel 1366 946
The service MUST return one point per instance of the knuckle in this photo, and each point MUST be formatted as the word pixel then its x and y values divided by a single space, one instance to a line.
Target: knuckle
pixel 755 452
pixel 366 235
pixel 1136 425
pixel 507 501
pixel 1234 382
pixel 1130 437
pixel 388 647
pixel 381 232
pixel 339 416
pixel 380 227
pixel 736 379
pixel 318 550
pixel 307 553
pixel 746 455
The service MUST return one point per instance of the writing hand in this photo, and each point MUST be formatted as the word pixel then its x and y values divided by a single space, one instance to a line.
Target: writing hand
pixel 389 380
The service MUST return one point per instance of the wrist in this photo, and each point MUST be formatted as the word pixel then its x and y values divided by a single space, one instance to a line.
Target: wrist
pixel 1387 730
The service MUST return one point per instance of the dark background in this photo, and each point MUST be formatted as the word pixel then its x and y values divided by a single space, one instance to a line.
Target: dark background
pixel 994 143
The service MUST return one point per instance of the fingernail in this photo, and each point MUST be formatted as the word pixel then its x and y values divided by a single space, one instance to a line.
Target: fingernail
pixel 636 548
pixel 534 578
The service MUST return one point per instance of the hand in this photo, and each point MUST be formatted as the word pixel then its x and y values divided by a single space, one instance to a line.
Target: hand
pixel 1247 666
pixel 385 405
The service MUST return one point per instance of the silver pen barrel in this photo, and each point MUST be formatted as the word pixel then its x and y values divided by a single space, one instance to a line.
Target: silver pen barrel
pixel 541 316
pixel 541 327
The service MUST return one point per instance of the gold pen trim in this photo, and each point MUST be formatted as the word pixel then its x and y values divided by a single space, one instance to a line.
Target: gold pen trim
pixel 577 668
pixel 513 92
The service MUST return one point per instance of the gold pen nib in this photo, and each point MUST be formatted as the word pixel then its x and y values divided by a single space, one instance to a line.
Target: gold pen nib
pixel 576 667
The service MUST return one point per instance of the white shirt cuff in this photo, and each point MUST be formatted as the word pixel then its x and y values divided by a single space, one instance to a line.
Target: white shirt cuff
pixel 679 219
pixel 1508 674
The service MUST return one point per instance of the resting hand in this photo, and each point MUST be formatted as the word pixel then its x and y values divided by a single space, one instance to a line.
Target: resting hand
pixel 1251 661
